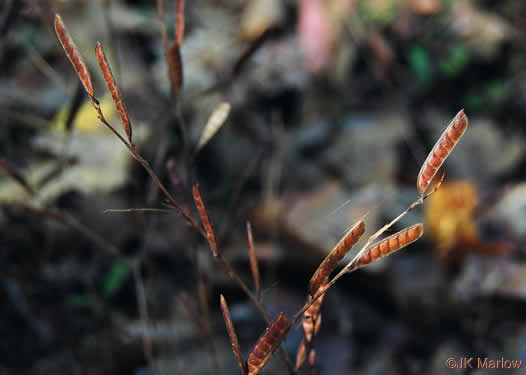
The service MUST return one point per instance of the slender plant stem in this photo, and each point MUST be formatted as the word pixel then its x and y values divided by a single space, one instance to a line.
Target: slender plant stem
pixel 143 311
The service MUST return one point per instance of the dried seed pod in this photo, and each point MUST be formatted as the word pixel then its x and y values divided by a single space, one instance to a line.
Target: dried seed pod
pixel 343 247
pixel 214 123
pixel 114 90
pixel 175 69
pixel 312 318
pixel 267 344
pixel 232 334
pixel 391 244
pixel 441 151
pixel 301 356
pixel 253 260
pixel 201 208
pixel 73 54
pixel 179 22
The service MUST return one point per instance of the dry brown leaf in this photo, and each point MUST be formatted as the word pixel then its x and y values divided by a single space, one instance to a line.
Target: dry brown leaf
pixel 214 123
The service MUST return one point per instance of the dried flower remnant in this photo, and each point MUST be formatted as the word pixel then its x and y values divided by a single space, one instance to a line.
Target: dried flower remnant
pixel 201 208
pixel 340 250
pixel 391 244
pixel 73 54
pixel 214 123
pixel 266 344
pixel 114 90
pixel 441 150
pixel 232 334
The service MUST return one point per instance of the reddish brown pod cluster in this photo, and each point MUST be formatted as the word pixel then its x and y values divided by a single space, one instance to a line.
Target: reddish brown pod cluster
pixel 320 283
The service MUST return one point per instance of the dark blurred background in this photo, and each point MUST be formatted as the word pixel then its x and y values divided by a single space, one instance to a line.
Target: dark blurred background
pixel 334 107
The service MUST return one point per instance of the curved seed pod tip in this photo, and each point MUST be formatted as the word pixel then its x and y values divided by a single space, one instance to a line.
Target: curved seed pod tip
pixel 441 151
pixel 340 250
pixel 391 244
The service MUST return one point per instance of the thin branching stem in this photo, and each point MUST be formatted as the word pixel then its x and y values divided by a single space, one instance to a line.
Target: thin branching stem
pixel 143 312
pixel 172 202
pixel 148 169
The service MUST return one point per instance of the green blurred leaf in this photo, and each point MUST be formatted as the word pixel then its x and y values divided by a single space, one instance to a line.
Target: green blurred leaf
pixel 447 4
pixel 474 102
pixel 420 63
pixel 91 341
pixel 81 301
pixel 115 279
pixel 496 91
pixel 379 12
pixel 457 60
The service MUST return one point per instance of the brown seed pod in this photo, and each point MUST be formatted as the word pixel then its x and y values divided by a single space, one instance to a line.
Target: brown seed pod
pixel 312 318
pixel 301 356
pixel 267 344
pixel 441 151
pixel 232 334
pixel 175 69
pixel 179 22
pixel 327 266
pixel 391 244
pixel 73 54
pixel 201 208
pixel 114 90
